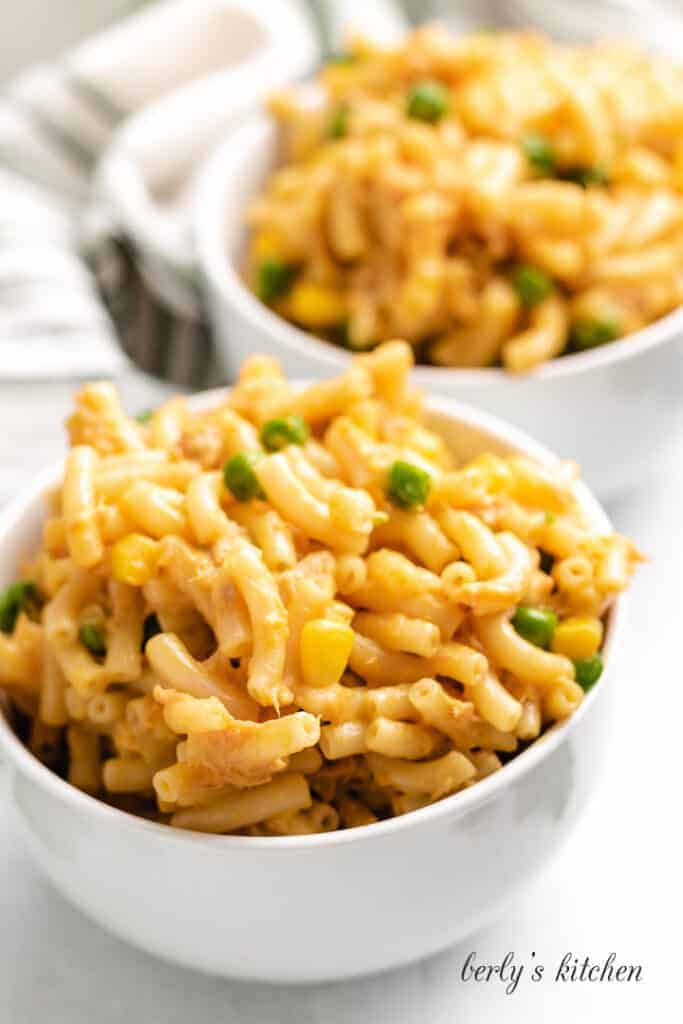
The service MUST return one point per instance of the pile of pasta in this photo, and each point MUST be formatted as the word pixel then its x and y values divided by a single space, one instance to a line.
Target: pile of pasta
pixel 292 612
pixel 494 198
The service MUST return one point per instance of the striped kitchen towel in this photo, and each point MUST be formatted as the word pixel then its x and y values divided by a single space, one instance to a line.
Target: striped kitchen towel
pixel 114 128
pixel 72 294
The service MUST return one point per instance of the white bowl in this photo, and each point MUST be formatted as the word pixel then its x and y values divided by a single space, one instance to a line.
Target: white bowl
pixel 144 184
pixel 613 409
pixel 311 908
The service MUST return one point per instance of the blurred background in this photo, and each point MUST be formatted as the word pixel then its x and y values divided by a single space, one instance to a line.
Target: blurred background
pixel 108 112
pixel 35 30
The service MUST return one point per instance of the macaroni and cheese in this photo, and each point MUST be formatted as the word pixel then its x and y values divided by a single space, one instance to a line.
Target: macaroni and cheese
pixel 495 199
pixel 293 612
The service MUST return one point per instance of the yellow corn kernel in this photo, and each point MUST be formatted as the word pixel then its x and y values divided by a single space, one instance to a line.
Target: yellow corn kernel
pixel 324 650
pixel 133 559
pixel 340 612
pixel 266 245
pixel 578 637
pixel 315 305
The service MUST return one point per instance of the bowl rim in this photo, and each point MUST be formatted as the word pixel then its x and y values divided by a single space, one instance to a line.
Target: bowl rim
pixel 221 277
pixel 454 806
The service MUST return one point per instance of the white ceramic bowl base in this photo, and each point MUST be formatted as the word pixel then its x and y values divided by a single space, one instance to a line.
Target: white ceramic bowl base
pixel 613 409
pixel 292 912
pixel 312 908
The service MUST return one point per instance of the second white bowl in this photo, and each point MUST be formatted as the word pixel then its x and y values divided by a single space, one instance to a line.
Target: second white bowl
pixel 613 409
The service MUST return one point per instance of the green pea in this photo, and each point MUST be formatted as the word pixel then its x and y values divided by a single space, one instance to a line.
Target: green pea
pixel 408 486
pixel 150 627
pixel 339 123
pixel 536 625
pixel 18 596
pixel 144 416
pixel 274 279
pixel 585 176
pixel 587 333
pixel 588 670
pixel 92 637
pixel 540 153
pixel 277 434
pixel 428 101
pixel 240 478
pixel 531 284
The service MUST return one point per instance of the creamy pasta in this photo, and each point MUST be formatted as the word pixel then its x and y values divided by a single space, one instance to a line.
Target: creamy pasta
pixel 495 199
pixel 294 612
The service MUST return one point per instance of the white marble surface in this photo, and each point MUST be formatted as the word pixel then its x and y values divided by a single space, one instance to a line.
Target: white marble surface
pixel 614 887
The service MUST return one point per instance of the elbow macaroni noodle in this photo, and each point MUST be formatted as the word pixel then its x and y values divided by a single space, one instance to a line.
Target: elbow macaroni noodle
pixel 494 199
pixel 345 642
